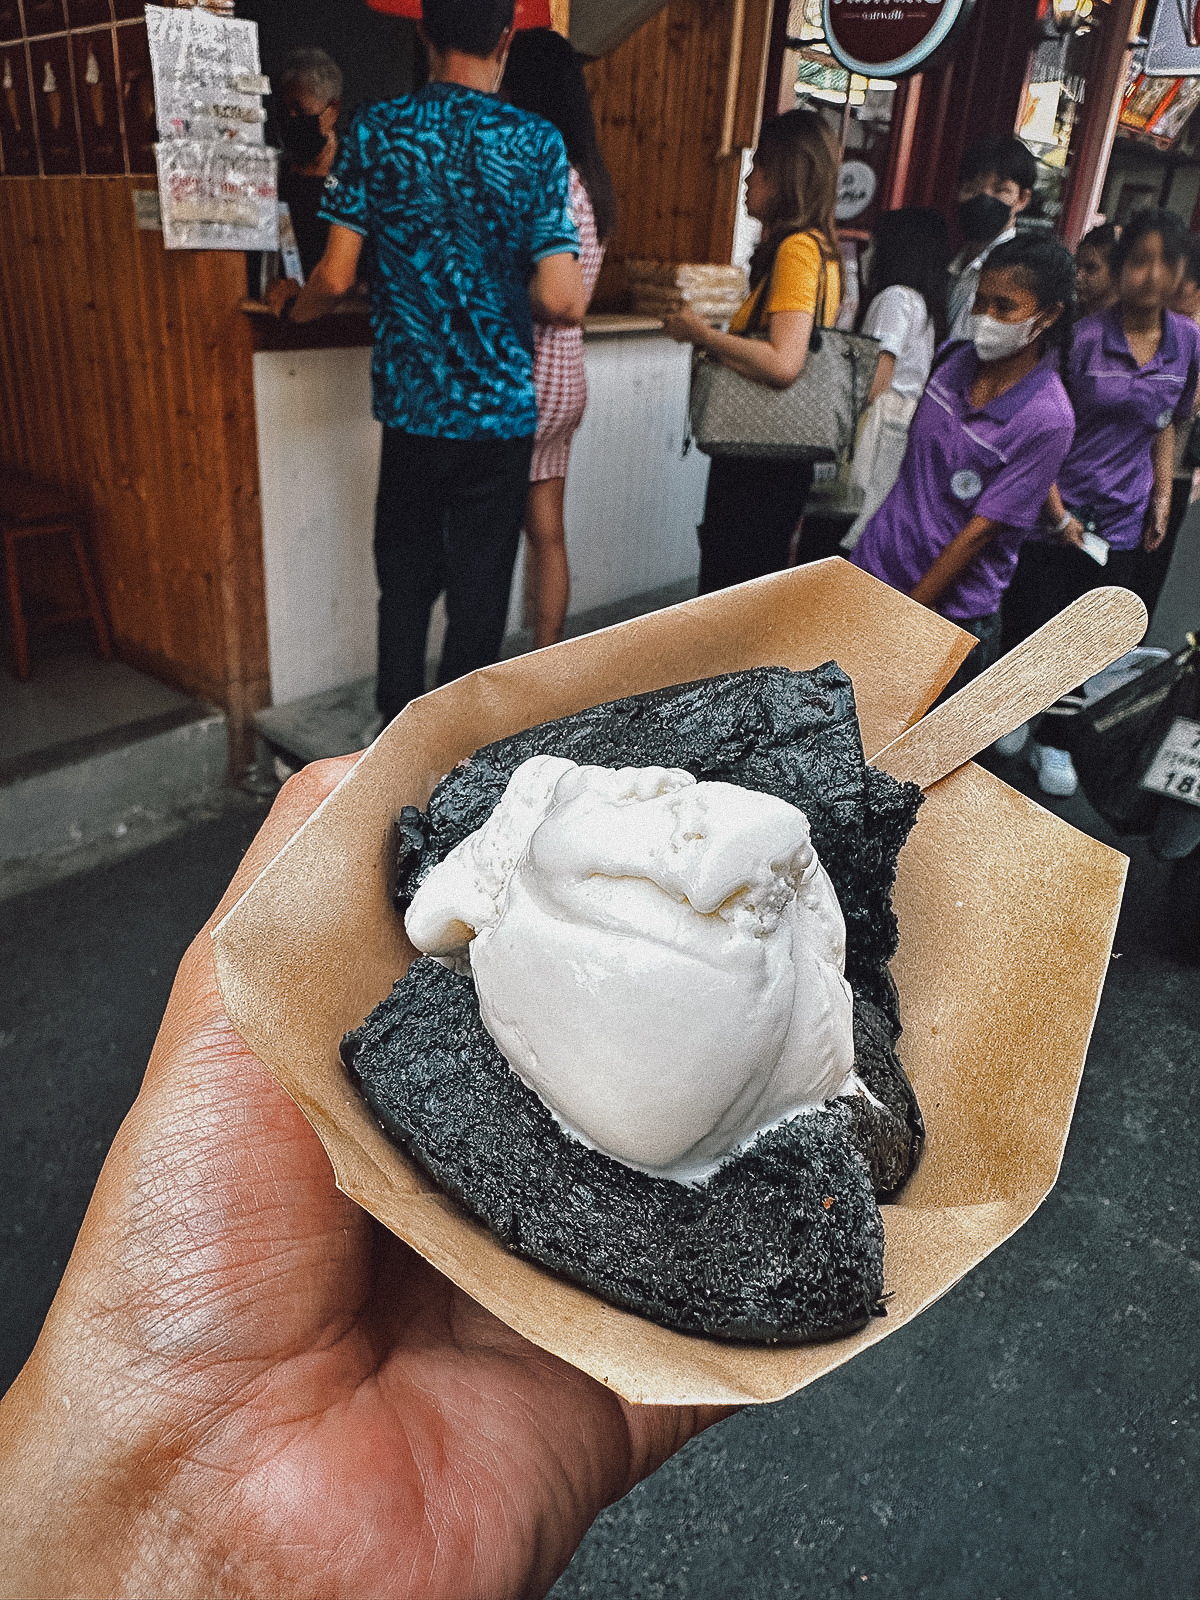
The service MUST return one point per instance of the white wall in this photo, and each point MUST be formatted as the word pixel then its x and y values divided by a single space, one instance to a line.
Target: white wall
pixel 633 501
pixel 318 461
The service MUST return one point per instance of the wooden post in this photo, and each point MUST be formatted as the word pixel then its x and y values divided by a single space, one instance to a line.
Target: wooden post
pixel 560 17
pixel 1106 78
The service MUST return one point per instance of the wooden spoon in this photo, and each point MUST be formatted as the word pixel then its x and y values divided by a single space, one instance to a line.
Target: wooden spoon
pixel 1083 639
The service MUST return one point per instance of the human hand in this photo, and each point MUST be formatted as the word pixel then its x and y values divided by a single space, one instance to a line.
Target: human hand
pixel 686 326
pixel 247 1386
pixel 1155 529
pixel 1073 533
pixel 281 294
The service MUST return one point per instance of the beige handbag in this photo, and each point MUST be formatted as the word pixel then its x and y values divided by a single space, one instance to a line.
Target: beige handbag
pixel 813 419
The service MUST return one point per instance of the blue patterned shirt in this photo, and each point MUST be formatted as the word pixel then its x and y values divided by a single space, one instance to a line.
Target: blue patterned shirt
pixel 460 195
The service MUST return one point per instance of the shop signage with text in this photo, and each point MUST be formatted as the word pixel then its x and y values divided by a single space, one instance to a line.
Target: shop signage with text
pixel 890 38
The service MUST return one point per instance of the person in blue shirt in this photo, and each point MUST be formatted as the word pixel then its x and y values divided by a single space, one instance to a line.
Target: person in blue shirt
pixel 464 200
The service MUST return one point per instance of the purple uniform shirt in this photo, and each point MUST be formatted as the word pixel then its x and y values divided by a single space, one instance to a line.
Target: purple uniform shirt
pixel 1120 408
pixel 997 461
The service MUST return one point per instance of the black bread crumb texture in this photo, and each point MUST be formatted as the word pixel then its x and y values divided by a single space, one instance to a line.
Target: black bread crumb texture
pixel 784 1242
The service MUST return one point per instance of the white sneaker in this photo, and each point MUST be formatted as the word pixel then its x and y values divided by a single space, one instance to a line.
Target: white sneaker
pixel 1055 770
pixel 1012 743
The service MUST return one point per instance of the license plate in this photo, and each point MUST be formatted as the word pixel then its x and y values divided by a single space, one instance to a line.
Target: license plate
pixel 1175 769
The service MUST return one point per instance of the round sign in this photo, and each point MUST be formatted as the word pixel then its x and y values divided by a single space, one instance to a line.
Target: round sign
pixel 890 38
pixel 855 191
pixel 966 485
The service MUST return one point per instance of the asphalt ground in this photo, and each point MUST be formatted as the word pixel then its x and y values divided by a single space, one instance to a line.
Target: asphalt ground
pixel 1035 1433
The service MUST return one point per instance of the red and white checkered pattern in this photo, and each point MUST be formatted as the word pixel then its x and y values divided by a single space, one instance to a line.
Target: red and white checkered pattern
pixel 558 373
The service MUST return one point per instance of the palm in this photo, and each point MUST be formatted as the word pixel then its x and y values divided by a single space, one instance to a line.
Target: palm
pixel 334 1417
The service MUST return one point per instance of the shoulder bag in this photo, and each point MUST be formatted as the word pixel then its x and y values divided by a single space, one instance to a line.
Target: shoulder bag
pixel 813 419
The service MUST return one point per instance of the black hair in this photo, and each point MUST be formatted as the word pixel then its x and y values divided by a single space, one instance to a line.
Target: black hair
pixel 912 247
pixel 1007 157
pixel 1141 224
pixel 473 26
pixel 544 75
pixel 1101 240
pixel 1047 270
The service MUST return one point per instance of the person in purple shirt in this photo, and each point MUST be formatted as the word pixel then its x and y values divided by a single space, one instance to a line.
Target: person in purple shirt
pixel 988 439
pixel 1132 378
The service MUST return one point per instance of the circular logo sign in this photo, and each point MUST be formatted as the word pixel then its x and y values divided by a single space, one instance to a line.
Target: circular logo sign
pixel 1163 418
pixel 855 191
pixel 891 38
pixel 966 485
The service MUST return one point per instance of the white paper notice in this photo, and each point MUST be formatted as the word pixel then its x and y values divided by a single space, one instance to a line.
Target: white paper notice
pixel 217 178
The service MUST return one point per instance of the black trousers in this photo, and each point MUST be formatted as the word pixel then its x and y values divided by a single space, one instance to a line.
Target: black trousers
pixel 750 513
pixel 448 516
pixel 1050 576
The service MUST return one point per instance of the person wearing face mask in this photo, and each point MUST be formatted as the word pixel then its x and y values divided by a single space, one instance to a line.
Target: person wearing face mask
pixel 1132 379
pixel 988 439
pixel 310 94
pixel 995 183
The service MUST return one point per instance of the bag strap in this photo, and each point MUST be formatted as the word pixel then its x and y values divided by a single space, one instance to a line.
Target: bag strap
pixel 762 293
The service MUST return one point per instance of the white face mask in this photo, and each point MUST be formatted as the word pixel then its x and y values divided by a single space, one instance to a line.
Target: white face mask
pixel 994 340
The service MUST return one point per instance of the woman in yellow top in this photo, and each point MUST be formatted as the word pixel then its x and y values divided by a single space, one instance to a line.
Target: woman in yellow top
pixel 752 506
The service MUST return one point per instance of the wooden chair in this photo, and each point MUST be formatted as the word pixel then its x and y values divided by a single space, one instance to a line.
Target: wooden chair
pixel 32 510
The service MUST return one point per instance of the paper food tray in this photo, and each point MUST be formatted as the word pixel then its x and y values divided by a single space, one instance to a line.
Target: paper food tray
pixel 1006 915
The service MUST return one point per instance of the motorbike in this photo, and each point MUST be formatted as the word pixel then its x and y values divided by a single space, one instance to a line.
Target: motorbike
pixel 1135 743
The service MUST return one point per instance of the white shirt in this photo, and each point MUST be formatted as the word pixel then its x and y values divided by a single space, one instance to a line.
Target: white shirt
pixel 899 319
pixel 964 280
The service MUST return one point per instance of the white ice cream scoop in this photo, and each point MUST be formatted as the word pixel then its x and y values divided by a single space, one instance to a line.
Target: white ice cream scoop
pixel 661 960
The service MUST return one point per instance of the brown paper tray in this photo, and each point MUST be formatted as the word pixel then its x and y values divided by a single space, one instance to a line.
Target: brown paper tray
pixel 1006 922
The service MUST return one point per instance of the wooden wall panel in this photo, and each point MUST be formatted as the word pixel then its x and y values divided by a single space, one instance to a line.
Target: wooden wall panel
pixel 126 376
pixel 664 101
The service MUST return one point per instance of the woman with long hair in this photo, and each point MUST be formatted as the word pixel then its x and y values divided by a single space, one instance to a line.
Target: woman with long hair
pixel 907 281
pixel 1132 380
pixel 988 439
pixel 752 505
pixel 543 75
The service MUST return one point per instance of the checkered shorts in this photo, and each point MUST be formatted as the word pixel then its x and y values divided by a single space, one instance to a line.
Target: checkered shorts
pixel 558 373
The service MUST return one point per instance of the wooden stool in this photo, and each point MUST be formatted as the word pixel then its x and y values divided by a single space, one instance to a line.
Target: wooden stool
pixel 32 510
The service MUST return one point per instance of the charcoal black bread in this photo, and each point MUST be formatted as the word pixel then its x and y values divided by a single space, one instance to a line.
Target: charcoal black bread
pixel 784 1242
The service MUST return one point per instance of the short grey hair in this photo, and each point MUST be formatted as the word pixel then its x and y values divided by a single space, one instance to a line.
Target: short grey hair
pixel 312 68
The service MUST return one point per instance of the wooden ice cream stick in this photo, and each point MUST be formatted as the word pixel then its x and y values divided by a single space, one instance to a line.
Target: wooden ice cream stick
pixel 1083 639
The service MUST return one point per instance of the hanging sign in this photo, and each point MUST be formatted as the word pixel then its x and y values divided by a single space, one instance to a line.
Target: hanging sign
pixel 892 38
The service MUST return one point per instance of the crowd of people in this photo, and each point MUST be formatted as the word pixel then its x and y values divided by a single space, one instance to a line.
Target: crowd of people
pixel 1026 436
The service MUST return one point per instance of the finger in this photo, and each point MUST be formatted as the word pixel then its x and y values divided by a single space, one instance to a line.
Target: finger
pixel 294 804
pixel 657 1432
pixel 195 982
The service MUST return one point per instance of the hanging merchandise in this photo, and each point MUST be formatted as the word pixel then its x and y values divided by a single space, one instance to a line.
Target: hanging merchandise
pixel 217 177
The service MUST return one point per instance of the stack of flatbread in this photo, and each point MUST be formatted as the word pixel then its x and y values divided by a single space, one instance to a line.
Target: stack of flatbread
pixel 714 292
